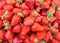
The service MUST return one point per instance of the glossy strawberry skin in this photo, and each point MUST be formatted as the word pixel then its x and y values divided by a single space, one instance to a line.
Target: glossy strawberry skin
pixel 17 29
pixel 37 27
pixel 15 20
pixel 8 7
pixel 40 35
pixel 28 21
pixel 8 35
pixel 17 40
pixel 1 23
pixel 2 34
pixel 57 36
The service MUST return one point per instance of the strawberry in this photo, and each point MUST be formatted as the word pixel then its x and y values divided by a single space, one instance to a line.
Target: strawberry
pixel 26 13
pixel 57 36
pixel 15 20
pixel 5 41
pixel 1 24
pixel 17 40
pixel 30 3
pixel 40 35
pixel 37 27
pixel 10 2
pixel 2 34
pixel 44 21
pixel 24 6
pixel 8 7
pixel 16 10
pixel 32 36
pixel 48 36
pixel 16 29
pixel 8 35
pixel 7 15
pixel 28 21
pixel 55 41
pixel 2 5
pixel 25 30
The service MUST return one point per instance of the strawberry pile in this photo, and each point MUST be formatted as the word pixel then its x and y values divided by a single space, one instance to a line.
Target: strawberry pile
pixel 29 21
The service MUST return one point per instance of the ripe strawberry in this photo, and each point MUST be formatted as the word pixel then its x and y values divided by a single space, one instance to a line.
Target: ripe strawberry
pixel 55 41
pixel 7 15
pixel 2 5
pixel 17 40
pixel 25 30
pixel 4 41
pixel 26 13
pixel 2 33
pixel 18 5
pixel 9 28
pixel 44 21
pixel 48 36
pixel 30 3
pixel 11 2
pixel 28 21
pixel 57 36
pixel 16 29
pixel 37 27
pixel 32 36
pixel 8 7
pixel 16 10
pixel 40 35
pixel 24 6
pixel 15 20
pixel 8 35
pixel 1 24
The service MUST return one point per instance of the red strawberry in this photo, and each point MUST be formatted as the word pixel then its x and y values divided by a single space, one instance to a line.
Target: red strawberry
pixel 4 41
pixel 44 21
pixel 8 35
pixel 57 36
pixel 17 29
pixel 15 20
pixel 7 15
pixel 55 41
pixel 32 36
pixel 37 27
pixel 8 7
pixel 2 5
pixel 24 6
pixel 16 10
pixel 17 40
pixel 9 28
pixel 1 24
pixel 40 35
pixel 30 3
pixel 26 13
pixel 2 33
pixel 11 2
pixel 18 5
pixel 25 30
pixel 48 36
pixel 28 21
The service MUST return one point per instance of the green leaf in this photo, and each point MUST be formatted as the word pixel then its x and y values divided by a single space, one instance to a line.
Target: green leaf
pixel 49 14
pixel 20 14
pixel 36 40
pixel 19 1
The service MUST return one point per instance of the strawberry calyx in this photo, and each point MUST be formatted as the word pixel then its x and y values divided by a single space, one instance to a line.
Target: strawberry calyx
pixel 35 40
pixel 40 1
pixel 5 25
pixel 20 14
pixel 43 41
pixel 20 1
pixel 2 17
